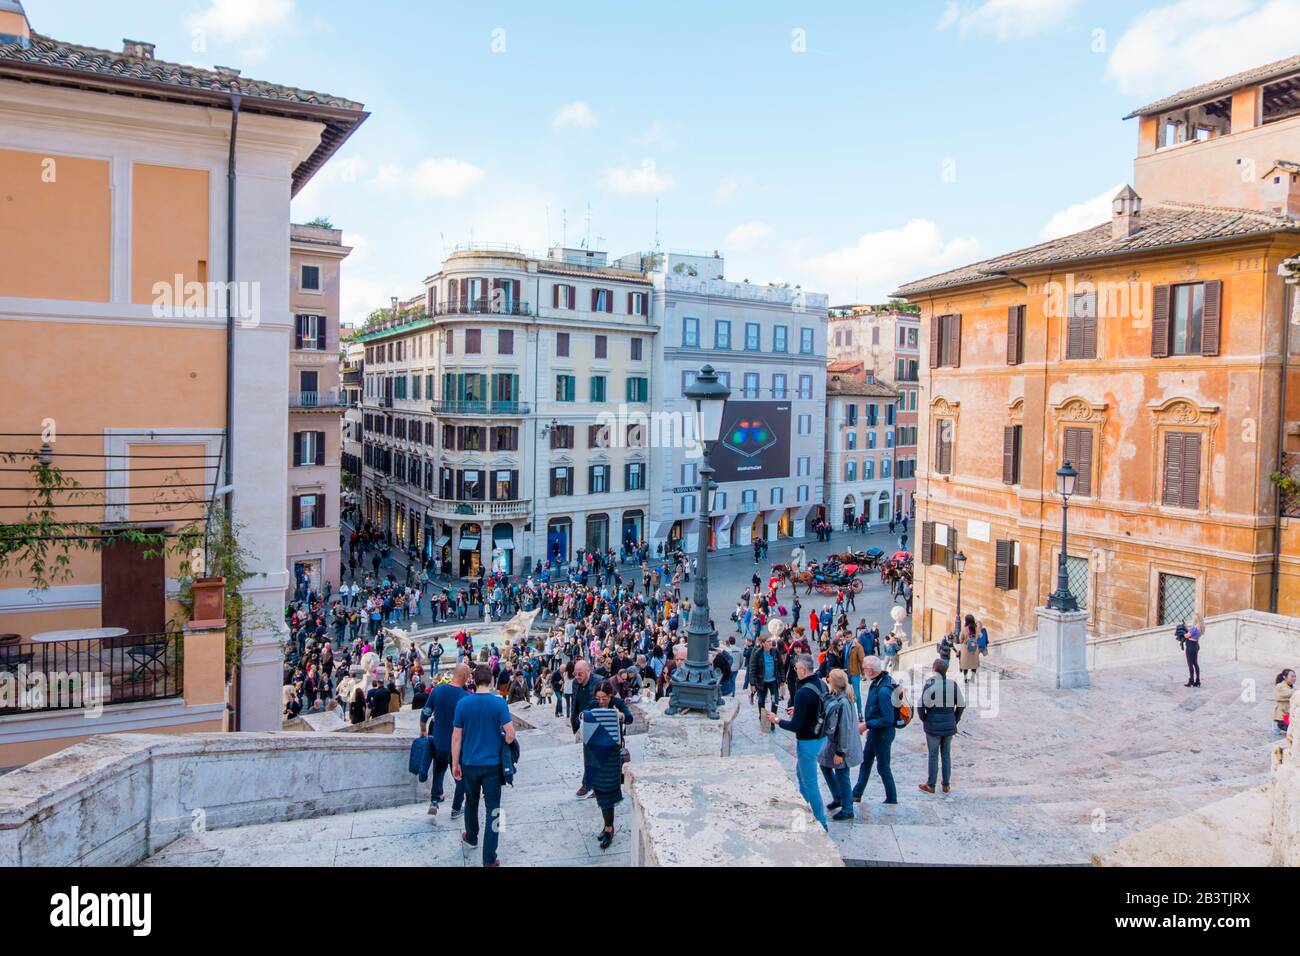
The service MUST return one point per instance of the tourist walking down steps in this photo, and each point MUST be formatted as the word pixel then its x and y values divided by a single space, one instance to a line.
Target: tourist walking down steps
pixel 481 728
pixel 804 722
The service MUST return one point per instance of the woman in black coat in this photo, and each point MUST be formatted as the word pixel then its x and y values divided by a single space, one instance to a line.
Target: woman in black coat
pixel 602 751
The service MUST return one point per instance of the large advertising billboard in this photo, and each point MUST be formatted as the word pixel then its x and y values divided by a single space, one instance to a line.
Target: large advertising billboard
pixel 755 442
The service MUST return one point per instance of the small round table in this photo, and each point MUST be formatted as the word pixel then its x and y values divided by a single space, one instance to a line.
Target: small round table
pixel 78 634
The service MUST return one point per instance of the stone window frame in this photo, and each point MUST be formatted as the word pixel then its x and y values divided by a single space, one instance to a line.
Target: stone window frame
pixel 941 409
pixel 1181 414
pixel 1077 412
pixel 1159 567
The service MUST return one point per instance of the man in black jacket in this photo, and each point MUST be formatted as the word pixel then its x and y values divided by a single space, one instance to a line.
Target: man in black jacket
pixel 878 717
pixel 804 722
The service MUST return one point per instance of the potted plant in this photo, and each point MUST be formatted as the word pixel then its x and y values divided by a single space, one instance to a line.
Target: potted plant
pixel 209 595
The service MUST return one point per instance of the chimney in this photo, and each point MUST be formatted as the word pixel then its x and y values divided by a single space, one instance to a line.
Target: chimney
pixel 138 49
pixel 1279 190
pixel 14 27
pixel 1126 214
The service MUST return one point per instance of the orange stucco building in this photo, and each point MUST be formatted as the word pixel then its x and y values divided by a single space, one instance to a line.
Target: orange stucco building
pixel 1154 352
pixel 117 223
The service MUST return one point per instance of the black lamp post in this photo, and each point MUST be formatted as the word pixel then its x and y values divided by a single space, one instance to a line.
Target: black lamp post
pixel 696 685
pixel 1061 599
pixel 959 562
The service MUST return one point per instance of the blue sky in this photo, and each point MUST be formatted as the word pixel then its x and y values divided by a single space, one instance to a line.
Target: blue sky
pixel 846 147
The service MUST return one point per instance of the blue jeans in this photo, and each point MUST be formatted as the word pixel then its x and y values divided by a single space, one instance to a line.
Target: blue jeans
pixel 877 751
pixel 484 781
pixel 441 761
pixel 806 771
pixel 837 781
pixel 856 681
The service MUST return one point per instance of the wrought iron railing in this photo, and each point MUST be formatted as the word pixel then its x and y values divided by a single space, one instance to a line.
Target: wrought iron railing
pixel 330 399
pixel 482 307
pixel 479 408
pixel 88 673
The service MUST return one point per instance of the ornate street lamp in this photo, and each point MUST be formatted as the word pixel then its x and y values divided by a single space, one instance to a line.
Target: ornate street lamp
pixel 695 686
pixel 1061 599
pixel 960 563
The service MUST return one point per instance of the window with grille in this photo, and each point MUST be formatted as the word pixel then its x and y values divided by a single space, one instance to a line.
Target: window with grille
pixel 1076 573
pixel 1177 598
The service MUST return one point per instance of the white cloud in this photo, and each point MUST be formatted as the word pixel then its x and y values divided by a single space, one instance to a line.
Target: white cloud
pixel 1189 42
pixel 746 236
pixel 879 262
pixel 1082 215
pixel 431 178
pixel 644 180
pixel 240 19
pixel 576 115
pixel 1006 19
pixel 360 248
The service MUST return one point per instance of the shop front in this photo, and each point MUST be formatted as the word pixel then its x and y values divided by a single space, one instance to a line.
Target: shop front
pixel 470 559
pixel 503 548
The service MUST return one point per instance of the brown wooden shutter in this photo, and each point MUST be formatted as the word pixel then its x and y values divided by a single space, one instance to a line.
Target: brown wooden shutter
pixel 1010 454
pixel 954 340
pixel 1160 322
pixel 555 296
pixel 927 542
pixel 515 291
pixel 320 448
pixel 297 448
pixel 936 336
pixel 951 560
pixel 297 331
pixel 1078 450
pixel 1002 551
pixel 1089 326
pixel 1172 494
pixel 1015 316
pixel 1211 318
pixel 297 512
pixel 322 333
pixel 1191 493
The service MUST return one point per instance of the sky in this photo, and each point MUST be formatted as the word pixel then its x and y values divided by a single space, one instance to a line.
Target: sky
pixel 844 146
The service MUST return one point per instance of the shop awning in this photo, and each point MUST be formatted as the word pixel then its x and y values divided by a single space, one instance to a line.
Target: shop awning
pixel 442 541
pixel 469 544
pixel 504 544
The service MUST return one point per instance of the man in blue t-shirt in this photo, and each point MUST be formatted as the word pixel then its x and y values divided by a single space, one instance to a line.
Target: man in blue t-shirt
pixel 480 726
pixel 441 706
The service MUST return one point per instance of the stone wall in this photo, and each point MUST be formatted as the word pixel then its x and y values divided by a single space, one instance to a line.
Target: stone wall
pixel 114 800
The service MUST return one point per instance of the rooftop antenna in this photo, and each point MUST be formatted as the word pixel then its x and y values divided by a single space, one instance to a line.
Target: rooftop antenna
pixel 586 243
pixel 564 228
pixel 656 224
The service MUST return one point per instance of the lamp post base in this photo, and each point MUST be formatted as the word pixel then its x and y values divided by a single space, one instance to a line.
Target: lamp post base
pixel 695 688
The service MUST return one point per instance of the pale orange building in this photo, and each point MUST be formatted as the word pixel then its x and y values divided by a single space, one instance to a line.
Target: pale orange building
pixel 1154 352
pixel 151 365
pixel 316 404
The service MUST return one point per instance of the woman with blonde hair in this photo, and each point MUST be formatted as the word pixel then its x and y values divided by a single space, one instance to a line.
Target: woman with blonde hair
pixel 842 749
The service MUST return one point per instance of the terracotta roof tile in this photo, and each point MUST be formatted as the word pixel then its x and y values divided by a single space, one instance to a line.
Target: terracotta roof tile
pixel 1220 87
pixel 1165 225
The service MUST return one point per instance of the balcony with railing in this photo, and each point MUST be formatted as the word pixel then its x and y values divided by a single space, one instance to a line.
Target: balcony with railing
pixel 508 409
pixel 87 673
pixel 333 398
pixel 483 307
pixel 452 508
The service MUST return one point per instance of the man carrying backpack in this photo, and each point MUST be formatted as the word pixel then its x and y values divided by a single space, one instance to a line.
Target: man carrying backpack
pixel 807 722
pixel 880 722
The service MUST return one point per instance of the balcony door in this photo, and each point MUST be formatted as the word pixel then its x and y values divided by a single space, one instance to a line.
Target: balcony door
pixel 132 593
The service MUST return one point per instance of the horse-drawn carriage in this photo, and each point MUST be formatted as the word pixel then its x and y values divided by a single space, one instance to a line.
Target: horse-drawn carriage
pixel 824 578
pixel 868 560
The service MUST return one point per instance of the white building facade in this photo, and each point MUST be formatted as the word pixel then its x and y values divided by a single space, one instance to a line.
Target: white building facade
pixel 496 422
pixel 861 429
pixel 768 344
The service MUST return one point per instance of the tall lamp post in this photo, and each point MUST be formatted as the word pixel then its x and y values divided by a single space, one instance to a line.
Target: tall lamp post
pixel 696 686
pixel 959 562
pixel 1061 599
